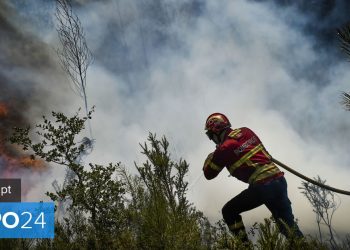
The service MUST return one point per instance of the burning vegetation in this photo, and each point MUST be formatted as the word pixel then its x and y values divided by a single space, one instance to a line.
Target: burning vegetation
pixel 12 159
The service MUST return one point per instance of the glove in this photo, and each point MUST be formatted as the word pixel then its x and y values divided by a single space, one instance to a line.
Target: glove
pixel 208 159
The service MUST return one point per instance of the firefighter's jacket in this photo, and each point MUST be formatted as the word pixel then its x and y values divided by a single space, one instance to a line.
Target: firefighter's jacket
pixel 244 156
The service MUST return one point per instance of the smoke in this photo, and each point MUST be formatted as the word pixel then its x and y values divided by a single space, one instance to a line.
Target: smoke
pixel 164 66
pixel 28 75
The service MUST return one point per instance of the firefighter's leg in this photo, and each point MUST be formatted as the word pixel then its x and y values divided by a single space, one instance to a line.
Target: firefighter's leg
pixel 245 201
pixel 278 203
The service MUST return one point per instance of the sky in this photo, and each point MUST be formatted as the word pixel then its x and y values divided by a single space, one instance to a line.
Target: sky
pixel 164 66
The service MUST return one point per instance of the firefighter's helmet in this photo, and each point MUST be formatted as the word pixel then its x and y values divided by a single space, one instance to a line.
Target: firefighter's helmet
pixel 216 123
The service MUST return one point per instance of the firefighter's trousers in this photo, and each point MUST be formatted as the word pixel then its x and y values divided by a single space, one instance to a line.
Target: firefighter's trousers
pixel 273 195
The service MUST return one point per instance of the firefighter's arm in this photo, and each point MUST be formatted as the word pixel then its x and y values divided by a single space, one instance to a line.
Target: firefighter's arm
pixel 210 169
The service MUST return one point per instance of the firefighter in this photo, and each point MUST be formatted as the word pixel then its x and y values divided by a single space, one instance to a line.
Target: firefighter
pixel 244 156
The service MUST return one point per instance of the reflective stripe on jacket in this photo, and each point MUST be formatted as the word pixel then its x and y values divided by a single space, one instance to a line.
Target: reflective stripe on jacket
pixel 244 156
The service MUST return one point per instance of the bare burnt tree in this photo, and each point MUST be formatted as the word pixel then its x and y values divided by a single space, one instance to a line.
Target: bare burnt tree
pixel 74 55
pixel 75 58
pixel 344 37
pixel 324 205
pixel 346 100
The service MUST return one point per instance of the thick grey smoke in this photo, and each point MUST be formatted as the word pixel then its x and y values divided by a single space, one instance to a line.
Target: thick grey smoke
pixel 164 66
pixel 30 86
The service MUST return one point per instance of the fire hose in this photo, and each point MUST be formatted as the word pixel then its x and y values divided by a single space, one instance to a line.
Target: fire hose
pixel 310 180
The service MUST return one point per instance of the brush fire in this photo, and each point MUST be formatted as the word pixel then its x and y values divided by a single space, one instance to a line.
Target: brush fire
pixel 13 161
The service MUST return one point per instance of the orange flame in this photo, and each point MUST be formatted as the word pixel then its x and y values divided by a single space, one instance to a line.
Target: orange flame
pixel 14 163
pixel 30 162
pixel 3 110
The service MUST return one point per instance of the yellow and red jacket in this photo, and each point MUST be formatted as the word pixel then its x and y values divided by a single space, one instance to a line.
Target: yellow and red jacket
pixel 244 156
